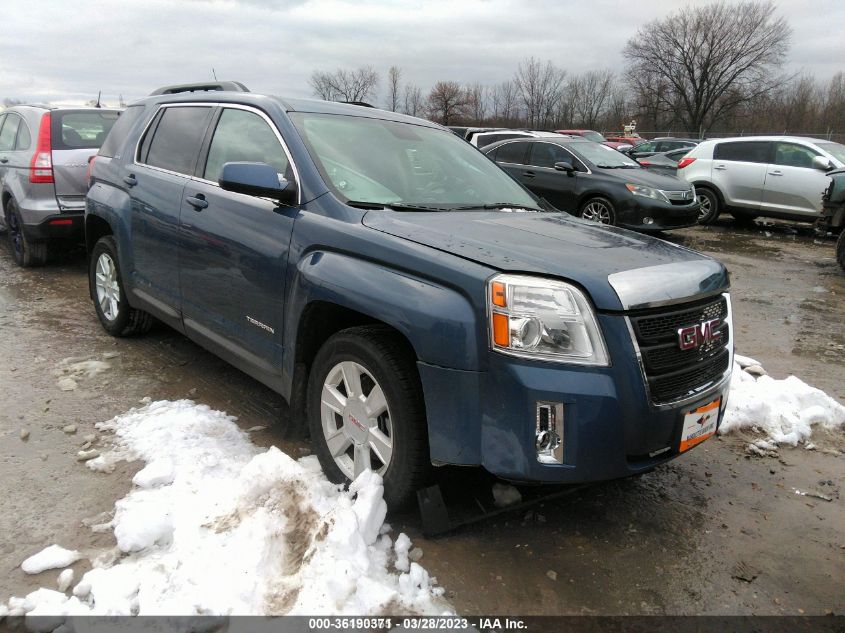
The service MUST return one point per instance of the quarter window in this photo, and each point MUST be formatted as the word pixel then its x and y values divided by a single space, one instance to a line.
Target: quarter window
pixel 793 155
pixel 176 139
pixel 24 137
pixel 243 136
pixel 9 132
pixel 743 151
pixel 120 130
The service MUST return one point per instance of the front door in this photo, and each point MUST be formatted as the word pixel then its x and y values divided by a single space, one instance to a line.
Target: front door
pixel 558 187
pixel 234 248
pixel 793 186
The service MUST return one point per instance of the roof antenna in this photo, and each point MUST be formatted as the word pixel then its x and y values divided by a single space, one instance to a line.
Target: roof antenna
pixel 214 73
pixel 99 94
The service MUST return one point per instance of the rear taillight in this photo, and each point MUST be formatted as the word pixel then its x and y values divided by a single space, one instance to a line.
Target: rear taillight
pixel 686 161
pixel 644 163
pixel 41 166
pixel 90 169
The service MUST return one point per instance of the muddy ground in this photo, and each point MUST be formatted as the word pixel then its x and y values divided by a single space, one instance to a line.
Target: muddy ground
pixel 714 532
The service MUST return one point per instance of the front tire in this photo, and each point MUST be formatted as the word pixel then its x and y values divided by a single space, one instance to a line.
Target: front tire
pixel 840 249
pixel 708 205
pixel 599 210
pixel 26 253
pixel 366 410
pixel 116 316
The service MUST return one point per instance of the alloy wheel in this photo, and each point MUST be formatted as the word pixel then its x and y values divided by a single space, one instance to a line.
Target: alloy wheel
pixel 597 211
pixel 356 420
pixel 108 290
pixel 705 206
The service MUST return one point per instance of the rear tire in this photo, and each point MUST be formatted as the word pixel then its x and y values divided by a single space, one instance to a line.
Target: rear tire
pixel 365 399
pixel 840 250
pixel 26 253
pixel 116 316
pixel 709 209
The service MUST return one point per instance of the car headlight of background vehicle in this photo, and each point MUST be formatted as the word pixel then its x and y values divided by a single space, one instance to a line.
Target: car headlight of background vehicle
pixel 543 319
pixel 646 192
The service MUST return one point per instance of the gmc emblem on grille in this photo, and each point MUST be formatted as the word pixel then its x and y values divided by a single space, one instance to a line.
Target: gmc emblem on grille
pixel 695 336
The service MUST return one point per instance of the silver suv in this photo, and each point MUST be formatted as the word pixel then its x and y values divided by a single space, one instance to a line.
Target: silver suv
pixel 750 176
pixel 44 154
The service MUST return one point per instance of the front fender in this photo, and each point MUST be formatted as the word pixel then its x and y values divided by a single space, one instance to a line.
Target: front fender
pixel 438 321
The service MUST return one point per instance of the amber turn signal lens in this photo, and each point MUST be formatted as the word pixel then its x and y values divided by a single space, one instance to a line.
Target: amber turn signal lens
pixel 499 297
pixel 501 333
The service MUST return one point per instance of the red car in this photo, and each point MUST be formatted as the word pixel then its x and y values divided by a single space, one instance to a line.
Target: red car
pixel 598 138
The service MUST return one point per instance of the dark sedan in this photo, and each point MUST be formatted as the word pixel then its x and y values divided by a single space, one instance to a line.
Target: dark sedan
pixel 597 183
pixel 660 145
pixel 665 163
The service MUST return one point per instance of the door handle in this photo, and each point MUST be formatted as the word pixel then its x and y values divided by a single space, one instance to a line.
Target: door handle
pixel 198 202
pixel 130 180
pixel 720 167
pixel 4 160
pixel 529 174
pixel 776 172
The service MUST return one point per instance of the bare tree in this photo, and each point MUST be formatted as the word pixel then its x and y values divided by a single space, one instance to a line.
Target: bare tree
pixel 412 102
pixel 8 102
pixel 446 102
pixel 592 91
pixel 394 74
pixel 476 102
pixel 504 101
pixel 713 57
pixel 540 89
pixel 345 85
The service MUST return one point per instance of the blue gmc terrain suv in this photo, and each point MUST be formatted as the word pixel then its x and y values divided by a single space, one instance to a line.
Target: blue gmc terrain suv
pixel 413 303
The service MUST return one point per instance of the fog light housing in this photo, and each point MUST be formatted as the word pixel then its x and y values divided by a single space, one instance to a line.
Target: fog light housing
pixel 548 440
pixel 648 220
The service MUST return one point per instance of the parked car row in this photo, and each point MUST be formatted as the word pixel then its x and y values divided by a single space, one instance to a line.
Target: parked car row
pixel 414 303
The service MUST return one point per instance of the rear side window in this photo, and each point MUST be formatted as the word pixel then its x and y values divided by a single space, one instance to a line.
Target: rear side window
pixel 81 129
pixel 512 153
pixel 9 132
pixel 176 138
pixel 243 136
pixel 743 151
pixel 120 130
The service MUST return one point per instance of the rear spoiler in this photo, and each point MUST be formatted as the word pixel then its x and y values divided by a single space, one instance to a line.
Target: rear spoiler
pixel 214 86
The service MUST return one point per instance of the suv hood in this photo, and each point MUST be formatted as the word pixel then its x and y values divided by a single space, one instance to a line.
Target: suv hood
pixel 621 270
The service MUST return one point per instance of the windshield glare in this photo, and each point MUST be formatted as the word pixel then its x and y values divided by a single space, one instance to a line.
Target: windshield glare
pixel 837 150
pixel 384 162
pixel 602 155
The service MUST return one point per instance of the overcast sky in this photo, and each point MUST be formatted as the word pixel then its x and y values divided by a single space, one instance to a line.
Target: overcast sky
pixel 58 50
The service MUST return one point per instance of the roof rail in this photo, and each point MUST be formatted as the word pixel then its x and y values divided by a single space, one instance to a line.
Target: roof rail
pixel 363 104
pixel 211 86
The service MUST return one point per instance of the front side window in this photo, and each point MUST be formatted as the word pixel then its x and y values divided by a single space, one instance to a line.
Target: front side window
pixel 794 155
pixel 387 162
pixel 243 136
pixel 743 151
pixel 547 154
pixel 9 132
pixel 176 139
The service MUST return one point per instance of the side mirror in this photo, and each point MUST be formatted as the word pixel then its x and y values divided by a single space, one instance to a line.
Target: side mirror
pixel 257 179
pixel 565 166
pixel 822 163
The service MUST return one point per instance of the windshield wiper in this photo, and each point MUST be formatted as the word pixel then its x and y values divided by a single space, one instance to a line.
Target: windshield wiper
pixel 399 206
pixel 495 205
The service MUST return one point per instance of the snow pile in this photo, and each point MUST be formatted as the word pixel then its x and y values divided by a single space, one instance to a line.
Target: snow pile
pixel 217 526
pixel 785 410
pixel 50 558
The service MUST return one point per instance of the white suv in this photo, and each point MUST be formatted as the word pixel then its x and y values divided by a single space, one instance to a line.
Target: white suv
pixel 749 176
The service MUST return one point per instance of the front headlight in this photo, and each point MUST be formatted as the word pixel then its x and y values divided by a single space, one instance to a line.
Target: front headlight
pixel 543 319
pixel 646 192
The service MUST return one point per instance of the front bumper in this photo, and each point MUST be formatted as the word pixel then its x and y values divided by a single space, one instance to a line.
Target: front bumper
pixel 611 428
pixel 636 212
pixel 67 226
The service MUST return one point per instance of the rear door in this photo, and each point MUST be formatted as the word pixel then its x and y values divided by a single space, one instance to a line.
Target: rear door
pixel 234 247
pixel 739 171
pixel 793 186
pixel 76 135
pixel 165 160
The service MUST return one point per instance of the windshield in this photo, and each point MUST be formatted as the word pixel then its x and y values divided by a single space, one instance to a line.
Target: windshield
pixel 836 150
pixel 594 136
pixel 379 162
pixel 603 156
